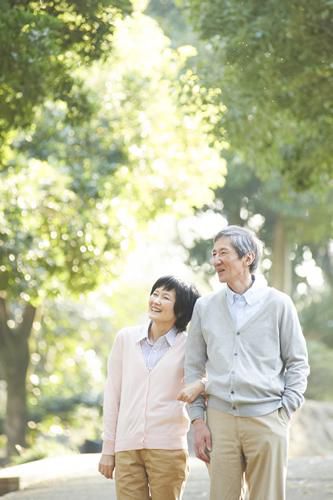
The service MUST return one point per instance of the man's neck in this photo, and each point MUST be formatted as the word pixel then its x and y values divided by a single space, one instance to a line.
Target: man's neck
pixel 241 286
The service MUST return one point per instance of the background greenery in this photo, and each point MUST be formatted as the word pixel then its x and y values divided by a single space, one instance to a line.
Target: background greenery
pixel 128 138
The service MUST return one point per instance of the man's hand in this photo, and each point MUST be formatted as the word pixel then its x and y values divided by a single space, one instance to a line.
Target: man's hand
pixel 202 440
pixel 106 466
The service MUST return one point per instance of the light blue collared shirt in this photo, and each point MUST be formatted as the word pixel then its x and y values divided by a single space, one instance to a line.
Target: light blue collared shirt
pixel 154 351
pixel 242 307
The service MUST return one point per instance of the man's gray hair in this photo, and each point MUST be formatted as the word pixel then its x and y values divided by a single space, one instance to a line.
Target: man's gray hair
pixel 244 241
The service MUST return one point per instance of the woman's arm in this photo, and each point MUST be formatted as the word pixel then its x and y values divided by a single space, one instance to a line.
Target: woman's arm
pixel 111 403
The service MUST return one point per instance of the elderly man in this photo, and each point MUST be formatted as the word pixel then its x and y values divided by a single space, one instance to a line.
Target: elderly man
pixel 247 340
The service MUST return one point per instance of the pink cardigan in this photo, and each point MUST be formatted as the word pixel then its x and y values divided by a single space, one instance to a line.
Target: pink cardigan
pixel 140 406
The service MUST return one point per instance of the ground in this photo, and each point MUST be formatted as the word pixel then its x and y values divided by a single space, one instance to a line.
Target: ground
pixel 76 478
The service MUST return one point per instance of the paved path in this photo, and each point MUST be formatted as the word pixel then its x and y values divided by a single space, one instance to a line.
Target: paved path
pixel 75 478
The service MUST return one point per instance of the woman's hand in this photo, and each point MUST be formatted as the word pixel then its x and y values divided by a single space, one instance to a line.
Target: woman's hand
pixel 191 391
pixel 106 466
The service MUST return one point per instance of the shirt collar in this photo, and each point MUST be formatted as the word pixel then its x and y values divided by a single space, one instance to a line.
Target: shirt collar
pixel 170 336
pixel 230 295
pixel 252 294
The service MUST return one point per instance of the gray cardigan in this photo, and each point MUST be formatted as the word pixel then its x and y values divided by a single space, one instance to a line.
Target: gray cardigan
pixel 252 371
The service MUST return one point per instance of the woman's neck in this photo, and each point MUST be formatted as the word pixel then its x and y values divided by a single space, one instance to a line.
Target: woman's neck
pixel 157 330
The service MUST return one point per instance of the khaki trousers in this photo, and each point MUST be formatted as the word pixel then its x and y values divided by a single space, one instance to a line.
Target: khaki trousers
pixel 250 448
pixel 151 474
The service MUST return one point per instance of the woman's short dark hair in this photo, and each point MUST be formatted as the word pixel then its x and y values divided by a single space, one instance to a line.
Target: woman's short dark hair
pixel 186 296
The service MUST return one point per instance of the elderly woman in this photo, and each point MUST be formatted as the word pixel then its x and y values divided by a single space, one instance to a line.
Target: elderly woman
pixel 145 426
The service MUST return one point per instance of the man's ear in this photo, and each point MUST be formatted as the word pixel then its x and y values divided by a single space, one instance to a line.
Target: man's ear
pixel 249 258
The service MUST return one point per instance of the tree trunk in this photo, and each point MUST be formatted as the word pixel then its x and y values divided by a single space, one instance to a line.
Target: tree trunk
pixel 15 356
pixel 281 274
pixel 16 409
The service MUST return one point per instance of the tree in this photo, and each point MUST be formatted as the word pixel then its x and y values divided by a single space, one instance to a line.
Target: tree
pixel 42 43
pixel 295 227
pixel 74 196
pixel 173 22
pixel 273 62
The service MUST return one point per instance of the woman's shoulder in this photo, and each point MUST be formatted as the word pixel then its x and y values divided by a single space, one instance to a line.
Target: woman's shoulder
pixel 127 336
pixel 130 332
pixel 181 338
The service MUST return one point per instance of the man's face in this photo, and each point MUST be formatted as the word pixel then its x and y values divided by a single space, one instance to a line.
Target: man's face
pixel 229 266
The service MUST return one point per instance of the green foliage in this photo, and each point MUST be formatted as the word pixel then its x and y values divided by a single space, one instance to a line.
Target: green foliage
pixel 43 447
pixel 318 319
pixel 50 238
pixel 42 44
pixel 129 302
pixel 320 379
pixel 173 22
pixel 246 200
pixel 273 62
pixel 170 142
pixel 62 433
pixel 73 197
pixel 68 349
pixel 75 192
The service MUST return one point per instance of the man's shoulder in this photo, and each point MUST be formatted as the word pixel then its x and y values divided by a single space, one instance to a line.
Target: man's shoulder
pixel 278 297
pixel 211 298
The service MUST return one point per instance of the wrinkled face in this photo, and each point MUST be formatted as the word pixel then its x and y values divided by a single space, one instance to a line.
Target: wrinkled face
pixel 229 266
pixel 161 306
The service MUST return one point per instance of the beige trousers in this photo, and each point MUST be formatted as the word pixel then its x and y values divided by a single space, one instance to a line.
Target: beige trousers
pixel 151 474
pixel 254 449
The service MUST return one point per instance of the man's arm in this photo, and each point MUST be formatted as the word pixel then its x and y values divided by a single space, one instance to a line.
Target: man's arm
pixel 195 362
pixel 295 357
pixel 195 369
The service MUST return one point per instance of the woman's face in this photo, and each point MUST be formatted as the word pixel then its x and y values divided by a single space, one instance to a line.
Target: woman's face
pixel 161 306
